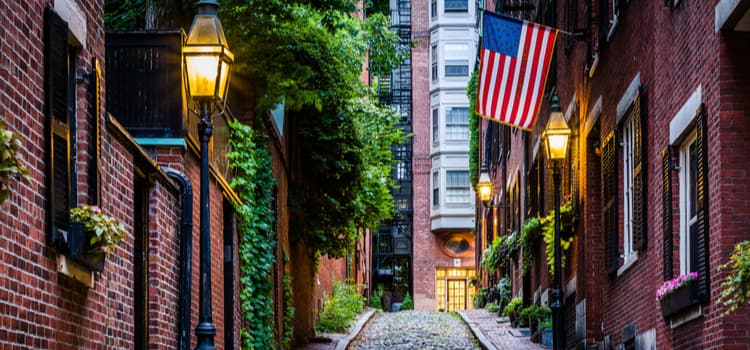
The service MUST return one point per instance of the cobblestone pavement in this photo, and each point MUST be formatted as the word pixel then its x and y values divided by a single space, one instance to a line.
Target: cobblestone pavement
pixel 415 330
pixel 498 334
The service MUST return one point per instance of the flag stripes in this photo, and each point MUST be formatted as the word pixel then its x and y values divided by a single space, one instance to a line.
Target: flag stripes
pixel 511 83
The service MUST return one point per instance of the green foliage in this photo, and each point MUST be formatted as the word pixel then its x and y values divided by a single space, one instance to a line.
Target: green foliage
pixel 125 14
pixel 471 92
pixel 513 308
pixel 408 303
pixel 737 283
pixel 10 161
pixel 107 231
pixel 528 233
pixel 548 233
pixel 480 298
pixel 289 309
pixel 375 302
pixel 492 307
pixel 503 292
pixel 341 309
pixel 253 182
pixel 534 314
pixel 492 255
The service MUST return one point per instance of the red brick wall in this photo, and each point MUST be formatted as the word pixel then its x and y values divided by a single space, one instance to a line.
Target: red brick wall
pixel 423 241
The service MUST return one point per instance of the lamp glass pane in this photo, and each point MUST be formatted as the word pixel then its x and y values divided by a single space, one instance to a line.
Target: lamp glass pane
pixel 485 191
pixel 201 71
pixel 557 146
pixel 223 79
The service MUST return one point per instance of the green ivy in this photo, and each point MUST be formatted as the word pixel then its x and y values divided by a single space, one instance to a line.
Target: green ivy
pixel 253 182
pixel 528 231
pixel 471 92
pixel 289 310
pixel 548 233
pixel 10 162
pixel 737 283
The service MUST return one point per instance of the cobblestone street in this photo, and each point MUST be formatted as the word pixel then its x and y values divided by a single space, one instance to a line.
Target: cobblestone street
pixel 415 330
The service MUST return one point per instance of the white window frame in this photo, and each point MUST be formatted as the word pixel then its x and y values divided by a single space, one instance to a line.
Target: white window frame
pixel 628 253
pixel 434 63
pixel 455 54
pixel 436 188
pixel 449 196
pixel 686 183
pixel 447 10
pixel 435 126
pixel 433 9
pixel 448 131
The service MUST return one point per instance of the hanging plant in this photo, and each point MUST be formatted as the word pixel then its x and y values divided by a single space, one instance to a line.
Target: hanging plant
pixel 737 283
pixel 548 232
pixel 10 162
pixel 529 232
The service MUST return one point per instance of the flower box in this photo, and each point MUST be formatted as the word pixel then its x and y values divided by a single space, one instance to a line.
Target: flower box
pixel 81 250
pixel 680 298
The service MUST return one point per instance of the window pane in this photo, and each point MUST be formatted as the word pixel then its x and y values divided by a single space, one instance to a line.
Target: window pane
pixel 435 128
pixel 433 8
pixel 435 188
pixel 693 178
pixel 456 5
pixel 457 123
pixel 457 187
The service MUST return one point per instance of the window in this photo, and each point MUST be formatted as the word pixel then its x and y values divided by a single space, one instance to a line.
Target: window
pixel 457 123
pixel 456 6
pixel 688 199
pixel 627 186
pixel 457 188
pixel 434 69
pixel 433 8
pixel 59 110
pixel 401 173
pixel 436 188
pixel 435 126
pixel 456 61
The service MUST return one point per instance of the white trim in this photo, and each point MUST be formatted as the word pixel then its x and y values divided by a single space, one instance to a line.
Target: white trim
pixel 627 264
pixel 72 14
pixel 684 204
pixel 686 316
pixel 628 97
pixel 685 116
pixel 570 287
pixel 722 12
pixel 571 108
pixel 593 117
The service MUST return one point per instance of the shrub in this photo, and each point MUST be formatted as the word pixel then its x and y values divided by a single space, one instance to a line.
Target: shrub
pixel 503 292
pixel 480 298
pixel 513 308
pixel 492 307
pixel 375 302
pixel 341 309
pixel 535 314
pixel 407 304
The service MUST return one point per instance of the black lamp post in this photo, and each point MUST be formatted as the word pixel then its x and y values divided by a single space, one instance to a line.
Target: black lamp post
pixel 556 134
pixel 207 64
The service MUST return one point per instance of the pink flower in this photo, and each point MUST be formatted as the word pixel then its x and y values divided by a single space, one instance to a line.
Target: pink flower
pixel 96 209
pixel 669 286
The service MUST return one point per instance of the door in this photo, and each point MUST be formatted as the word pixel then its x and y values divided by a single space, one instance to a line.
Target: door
pixel 456 294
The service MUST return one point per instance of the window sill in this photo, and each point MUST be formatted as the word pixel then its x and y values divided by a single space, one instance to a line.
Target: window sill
pixel 627 264
pixel 75 271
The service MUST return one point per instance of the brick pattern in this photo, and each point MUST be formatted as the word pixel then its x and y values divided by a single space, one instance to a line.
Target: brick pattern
pixel 674 51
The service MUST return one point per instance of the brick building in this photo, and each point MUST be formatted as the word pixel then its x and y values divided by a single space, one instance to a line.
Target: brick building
pixel 656 96
pixel 87 138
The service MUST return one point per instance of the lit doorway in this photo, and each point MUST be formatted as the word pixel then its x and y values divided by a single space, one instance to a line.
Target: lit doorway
pixel 453 290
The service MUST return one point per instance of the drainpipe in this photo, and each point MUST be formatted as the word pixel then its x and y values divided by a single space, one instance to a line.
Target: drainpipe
pixel 186 249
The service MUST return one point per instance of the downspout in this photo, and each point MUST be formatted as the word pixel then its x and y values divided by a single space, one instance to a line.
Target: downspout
pixel 186 249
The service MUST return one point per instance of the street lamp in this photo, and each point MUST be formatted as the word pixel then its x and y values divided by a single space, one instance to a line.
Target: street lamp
pixel 207 64
pixel 484 186
pixel 556 133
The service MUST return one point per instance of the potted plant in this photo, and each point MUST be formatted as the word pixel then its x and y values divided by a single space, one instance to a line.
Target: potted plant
pixel 545 326
pixel 10 162
pixel 101 233
pixel 678 294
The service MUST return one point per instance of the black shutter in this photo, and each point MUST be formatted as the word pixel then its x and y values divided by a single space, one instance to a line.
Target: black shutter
pixel 640 164
pixel 666 202
pixel 609 179
pixel 58 130
pixel 702 207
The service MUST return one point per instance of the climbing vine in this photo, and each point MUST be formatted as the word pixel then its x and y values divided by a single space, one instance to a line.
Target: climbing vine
pixel 471 92
pixel 253 182
pixel 289 310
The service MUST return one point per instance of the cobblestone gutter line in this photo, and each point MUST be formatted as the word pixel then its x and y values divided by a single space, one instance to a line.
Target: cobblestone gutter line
pixel 474 327
pixel 344 342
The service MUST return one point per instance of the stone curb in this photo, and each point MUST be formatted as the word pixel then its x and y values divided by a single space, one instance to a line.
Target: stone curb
pixel 483 341
pixel 344 342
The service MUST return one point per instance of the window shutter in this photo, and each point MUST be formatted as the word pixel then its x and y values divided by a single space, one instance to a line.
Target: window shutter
pixel 609 174
pixel 702 204
pixel 58 131
pixel 666 201
pixel 640 164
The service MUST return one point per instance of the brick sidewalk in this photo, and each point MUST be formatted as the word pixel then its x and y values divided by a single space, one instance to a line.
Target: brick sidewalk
pixel 494 335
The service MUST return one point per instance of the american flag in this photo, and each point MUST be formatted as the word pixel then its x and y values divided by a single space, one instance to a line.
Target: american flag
pixel 513 68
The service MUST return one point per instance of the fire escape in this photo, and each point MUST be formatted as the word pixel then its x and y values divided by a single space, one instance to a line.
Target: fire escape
pixel 392 243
